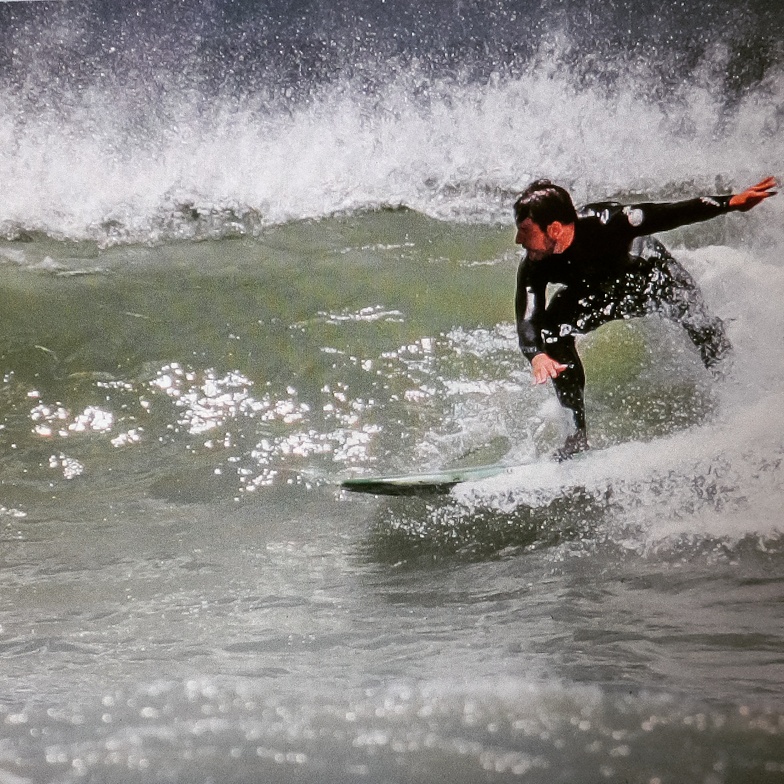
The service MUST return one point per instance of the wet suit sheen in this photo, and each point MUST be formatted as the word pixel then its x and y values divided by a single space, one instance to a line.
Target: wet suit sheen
pixel 613 270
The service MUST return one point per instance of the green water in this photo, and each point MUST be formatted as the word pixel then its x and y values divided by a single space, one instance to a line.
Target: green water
pixel 258 355
pixel 187 594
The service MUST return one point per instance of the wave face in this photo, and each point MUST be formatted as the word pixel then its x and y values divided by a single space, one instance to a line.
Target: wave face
pixel 129 123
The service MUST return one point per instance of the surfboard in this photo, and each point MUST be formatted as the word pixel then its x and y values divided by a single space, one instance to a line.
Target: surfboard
pixel 434 482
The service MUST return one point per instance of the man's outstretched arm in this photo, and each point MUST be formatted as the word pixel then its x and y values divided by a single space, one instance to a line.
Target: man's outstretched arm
pixel 652 218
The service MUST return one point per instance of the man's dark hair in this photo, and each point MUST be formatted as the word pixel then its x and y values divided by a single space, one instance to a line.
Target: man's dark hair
pixel 544 203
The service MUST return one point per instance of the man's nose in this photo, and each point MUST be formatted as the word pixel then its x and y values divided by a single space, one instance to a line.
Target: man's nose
pixel 519 237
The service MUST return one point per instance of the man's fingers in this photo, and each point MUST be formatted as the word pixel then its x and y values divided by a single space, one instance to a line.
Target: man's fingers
pixel 764 189
pixel 551 371
pixel 545 368
pixel 751 197
pixel 767 183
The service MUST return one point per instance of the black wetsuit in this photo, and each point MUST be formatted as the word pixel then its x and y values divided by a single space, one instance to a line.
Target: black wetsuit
pixel 613 270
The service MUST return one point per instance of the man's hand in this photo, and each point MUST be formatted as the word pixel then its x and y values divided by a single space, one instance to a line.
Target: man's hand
pixel 754 195
pixel 545 368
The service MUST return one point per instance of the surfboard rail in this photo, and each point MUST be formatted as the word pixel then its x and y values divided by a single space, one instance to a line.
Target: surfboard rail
pixel 432 483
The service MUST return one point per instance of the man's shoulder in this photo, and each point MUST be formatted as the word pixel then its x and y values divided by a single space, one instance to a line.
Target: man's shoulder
pixel 526 267
pixel 603 211
pixel 611 214
pixel 532 274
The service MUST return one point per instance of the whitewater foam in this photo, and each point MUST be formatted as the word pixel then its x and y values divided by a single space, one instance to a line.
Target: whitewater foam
pixel 456 151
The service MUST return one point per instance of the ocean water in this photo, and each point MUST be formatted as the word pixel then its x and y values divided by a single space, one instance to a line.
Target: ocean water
pixel 250 249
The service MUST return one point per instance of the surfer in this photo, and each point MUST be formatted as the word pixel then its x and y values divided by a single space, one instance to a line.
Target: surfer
pixel 609 267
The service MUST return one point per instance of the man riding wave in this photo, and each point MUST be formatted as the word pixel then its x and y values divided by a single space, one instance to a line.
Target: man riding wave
pixel 609 268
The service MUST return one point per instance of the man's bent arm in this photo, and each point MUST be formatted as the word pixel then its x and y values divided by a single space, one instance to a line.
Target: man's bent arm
pixel 529 305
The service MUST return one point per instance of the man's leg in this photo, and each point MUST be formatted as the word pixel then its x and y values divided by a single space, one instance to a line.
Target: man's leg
pixel 559 343
pixel 570 385
pixel 570 313
pixel 674 293
pixel 570 389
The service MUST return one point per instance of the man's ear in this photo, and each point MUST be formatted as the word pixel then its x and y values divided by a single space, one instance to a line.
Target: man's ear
pixel 555 230
pixel 561 235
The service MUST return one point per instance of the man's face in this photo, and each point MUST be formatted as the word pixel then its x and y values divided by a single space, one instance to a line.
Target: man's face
pixel 537 243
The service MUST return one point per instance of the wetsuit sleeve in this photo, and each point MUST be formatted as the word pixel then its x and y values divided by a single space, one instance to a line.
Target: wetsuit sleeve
pixel 652 218
pixel 529 310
